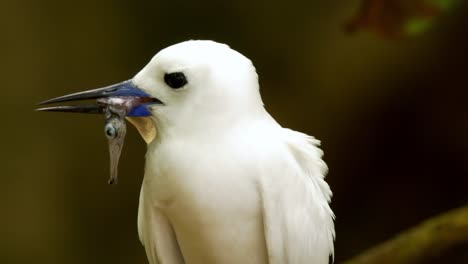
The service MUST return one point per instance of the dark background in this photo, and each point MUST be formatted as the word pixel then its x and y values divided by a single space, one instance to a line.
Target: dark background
pixel 392 116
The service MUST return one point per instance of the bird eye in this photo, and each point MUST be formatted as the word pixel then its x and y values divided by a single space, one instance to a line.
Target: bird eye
pixel 175 80
pixel 111 131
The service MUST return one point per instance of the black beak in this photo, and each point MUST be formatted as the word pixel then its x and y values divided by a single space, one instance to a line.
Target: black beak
pixel 125 90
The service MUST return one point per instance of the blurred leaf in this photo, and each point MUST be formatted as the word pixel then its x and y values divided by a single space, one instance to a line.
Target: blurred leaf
pixel 445 4
pixel 416 26
pixel 394 18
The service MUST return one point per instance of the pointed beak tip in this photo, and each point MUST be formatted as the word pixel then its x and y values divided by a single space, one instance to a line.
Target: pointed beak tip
pixel 42 109
pixel 42 103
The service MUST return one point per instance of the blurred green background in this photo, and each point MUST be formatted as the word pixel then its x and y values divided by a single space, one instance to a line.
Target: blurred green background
pixel 392 115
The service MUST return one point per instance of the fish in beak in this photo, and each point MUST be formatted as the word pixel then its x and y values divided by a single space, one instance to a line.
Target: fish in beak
pixel 116 102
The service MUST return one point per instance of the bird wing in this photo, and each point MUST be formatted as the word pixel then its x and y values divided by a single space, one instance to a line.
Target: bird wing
pixel 298 222
pixel 156 233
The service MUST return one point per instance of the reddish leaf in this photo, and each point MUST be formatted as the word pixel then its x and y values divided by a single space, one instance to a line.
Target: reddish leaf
pixel 391 18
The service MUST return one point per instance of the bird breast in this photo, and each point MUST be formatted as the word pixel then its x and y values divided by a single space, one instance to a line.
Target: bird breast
pixel 206 190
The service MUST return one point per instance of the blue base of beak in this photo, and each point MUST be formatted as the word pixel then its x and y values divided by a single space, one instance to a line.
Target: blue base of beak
pixel 141 110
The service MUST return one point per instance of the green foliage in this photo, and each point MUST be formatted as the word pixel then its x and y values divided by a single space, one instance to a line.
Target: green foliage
pixel 445 4
pixel 417 26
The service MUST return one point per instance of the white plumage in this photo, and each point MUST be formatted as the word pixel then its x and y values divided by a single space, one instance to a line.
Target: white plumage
pixel 224 182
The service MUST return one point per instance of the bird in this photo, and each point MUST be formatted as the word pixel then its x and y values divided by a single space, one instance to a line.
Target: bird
pixel 224 182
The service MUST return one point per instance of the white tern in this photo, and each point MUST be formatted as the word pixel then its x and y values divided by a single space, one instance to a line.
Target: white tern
pixel 224 182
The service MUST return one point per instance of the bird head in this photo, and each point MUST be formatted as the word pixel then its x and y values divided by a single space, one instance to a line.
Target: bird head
pixel 188 87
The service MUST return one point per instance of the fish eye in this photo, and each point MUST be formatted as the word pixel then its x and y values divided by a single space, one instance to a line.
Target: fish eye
pixel 175 80
pixel 111 131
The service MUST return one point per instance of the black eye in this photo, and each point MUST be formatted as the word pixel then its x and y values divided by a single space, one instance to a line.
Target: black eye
pixel 175 80
pixel 111 131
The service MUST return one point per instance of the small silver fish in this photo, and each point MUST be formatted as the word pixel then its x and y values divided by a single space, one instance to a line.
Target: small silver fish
pixel 115 112
pixel 115 130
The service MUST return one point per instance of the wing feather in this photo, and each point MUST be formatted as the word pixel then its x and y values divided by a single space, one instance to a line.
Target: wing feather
pixel 298 221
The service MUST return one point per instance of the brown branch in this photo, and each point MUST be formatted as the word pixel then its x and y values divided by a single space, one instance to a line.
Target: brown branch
pixel 431 238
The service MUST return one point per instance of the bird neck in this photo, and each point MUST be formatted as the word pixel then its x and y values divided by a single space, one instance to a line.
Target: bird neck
pixel 208 127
